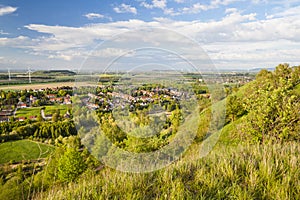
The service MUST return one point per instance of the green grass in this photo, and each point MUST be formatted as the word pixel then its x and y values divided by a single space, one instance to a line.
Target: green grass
pixel 51 109
pixel 27 112
pixel 23 150
pixel 35 111
pixel 244 172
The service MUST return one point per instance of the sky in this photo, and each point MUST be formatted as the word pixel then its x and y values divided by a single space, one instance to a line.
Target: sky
pixel 78 34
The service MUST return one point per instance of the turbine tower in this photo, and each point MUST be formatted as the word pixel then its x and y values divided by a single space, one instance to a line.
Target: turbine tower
pixel 29 74
pixel 9 77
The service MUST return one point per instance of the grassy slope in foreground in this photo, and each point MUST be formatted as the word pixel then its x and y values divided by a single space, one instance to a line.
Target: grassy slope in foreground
pixel 247 172
pixel 23 150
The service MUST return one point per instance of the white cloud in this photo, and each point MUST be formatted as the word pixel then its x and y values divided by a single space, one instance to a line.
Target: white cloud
pixel 7 10
pixel 253 54
pixel 235 40
pixel 3 33
pixel 216 3
pixel 7 61
pixel 155 4
pixel 198 7
pixel 61 56
pixel 259 1
pixel 233 27
pixel 171 12
pixel 64 37
pixel 124 8
pixel 93 16
pixel 161 4
pixel 195 8
pixel 20 41
pixel 109 52
pixel 231 10
pixel 288 12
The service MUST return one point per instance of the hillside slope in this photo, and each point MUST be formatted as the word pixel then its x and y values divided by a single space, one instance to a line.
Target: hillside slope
pixel 257 155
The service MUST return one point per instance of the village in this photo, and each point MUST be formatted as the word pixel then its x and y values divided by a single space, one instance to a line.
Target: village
pixel 107 99
pixel 30 104
pixel 41 104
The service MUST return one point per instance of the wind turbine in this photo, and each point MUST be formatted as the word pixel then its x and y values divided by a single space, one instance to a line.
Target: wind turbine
pixel 29 74
pixel 9 77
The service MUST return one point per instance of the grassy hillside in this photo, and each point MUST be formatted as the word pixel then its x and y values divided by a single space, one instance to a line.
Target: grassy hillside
pixel 239 167
pixel 257 155
pixel 23 150
pixel 247 172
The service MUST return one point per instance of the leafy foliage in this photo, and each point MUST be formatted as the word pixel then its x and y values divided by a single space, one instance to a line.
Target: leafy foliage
pixel 235 108
pixel 272 106
pixel 70 165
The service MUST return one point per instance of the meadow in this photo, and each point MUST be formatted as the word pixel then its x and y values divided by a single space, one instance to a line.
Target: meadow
pixel 23 150
pixel 244 172
pixel 35 111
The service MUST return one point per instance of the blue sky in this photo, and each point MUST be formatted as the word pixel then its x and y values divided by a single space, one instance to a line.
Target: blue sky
pixel 235 34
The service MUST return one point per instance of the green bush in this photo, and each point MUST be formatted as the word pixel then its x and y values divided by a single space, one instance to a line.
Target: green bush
pixel 70 165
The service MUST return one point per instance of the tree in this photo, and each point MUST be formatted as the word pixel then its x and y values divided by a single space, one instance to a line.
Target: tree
pixel 12 119
pixel 70 165
pixel 55 117
pixel 273 109
pixel 23 98
pixel 234 107
pixel 39 118
pixel 62 93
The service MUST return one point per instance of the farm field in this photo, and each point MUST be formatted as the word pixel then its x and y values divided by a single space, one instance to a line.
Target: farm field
pixel 44 85
pixel 23 150
pixel 35 86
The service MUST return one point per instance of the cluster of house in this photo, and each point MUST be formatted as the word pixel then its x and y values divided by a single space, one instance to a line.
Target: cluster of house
pixel 51 98
pixel 140 97
pixel 105 101
pixel 29 101
pixel 5 115
pixel 63 100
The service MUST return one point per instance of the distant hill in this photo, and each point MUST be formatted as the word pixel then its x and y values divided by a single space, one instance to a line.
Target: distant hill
pixel 261 68
pixel 54 73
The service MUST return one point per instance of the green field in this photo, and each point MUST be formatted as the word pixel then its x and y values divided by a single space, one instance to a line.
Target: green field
pixel 27 112
pixel 62 108
pixel 35 111
pixel 23 150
